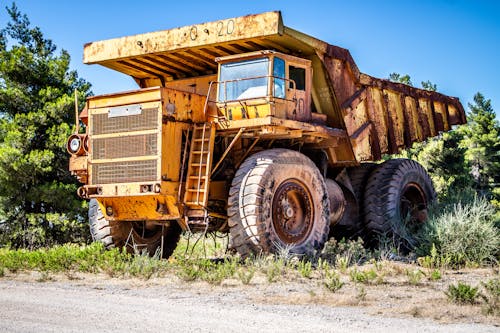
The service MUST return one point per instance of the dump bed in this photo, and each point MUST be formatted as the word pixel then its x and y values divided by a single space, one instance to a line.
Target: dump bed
pixel 379 116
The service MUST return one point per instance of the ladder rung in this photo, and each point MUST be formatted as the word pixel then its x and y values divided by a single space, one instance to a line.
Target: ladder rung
pixel 201 140
pixel 196 177
pixel 199 164
pixel 193 203
pixel 195 190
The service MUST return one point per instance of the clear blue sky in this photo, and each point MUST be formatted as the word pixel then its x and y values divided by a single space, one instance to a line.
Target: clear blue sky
pixel 453 43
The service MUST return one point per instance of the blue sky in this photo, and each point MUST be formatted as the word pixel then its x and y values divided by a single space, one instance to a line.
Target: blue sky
pixel 453 43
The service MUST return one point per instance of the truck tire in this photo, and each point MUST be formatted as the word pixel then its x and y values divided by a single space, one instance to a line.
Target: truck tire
pixel 397 196
pixel 116 234
pixel 278 199
pixel 351 225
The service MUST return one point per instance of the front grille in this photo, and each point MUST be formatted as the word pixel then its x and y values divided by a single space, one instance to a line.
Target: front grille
pixel 134 137
pixel 126 146
pixel 124 172
pixel 102 124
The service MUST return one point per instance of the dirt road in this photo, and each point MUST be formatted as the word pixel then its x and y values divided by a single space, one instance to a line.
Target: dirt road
pixel 109 305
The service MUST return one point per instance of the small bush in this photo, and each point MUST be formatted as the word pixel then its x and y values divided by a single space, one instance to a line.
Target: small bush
pixel 246 274
pixel 435 275
pixel 332 281
pixel 462 233
pixel 462 293
pixel 491 296
pixel 368 276
pixel 305 268
pixel 414 276
pixel 361 295
pixel 344 253
pixel 274 270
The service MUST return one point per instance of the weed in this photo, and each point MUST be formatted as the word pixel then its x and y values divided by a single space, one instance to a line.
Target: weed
pixel 305 269
pixel 342 262
pixel 215 273
pixel 345 253
pixel 491 297
pixel 435 275
pixel 245 274
pixel 44 277
pixel 188 272
pixel 414 276
pixel 368 276
pixel 361 295
pixel 332 281
pixel 462 293
pixel 274 270
pixel 2 271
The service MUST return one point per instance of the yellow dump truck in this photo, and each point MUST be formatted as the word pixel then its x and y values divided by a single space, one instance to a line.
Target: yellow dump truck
pixel 247 126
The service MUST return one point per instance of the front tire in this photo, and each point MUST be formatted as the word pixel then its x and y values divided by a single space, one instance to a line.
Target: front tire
pixel 278 199
pixel 398 195
pixel 132 235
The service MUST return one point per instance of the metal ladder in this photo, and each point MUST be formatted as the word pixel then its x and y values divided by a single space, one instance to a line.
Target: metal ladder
pixel 199 166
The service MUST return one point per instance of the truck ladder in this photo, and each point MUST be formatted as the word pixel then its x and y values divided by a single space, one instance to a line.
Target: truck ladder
pixel 199 167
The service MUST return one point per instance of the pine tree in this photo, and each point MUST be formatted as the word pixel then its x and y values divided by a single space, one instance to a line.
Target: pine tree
pixel 38 205
pixel 483 144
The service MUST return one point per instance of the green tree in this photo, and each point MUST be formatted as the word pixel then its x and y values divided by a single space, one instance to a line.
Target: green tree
pixel 396 77
pixel 428 85
pixel 482 141
pixel 38 205
pixel 444 159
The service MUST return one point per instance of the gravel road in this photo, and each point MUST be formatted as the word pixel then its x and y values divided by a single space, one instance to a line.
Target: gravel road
pixel 75 306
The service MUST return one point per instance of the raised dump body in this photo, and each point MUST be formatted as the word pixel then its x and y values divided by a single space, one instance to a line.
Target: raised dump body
pixel 380 117
pixel 247 126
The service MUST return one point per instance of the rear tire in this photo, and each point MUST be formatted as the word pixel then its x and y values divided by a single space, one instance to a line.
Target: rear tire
pixel 351 225
pixel 133 235
pixel 278 199
pixel 398 195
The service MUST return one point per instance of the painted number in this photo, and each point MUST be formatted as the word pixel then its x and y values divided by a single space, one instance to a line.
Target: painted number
pixel 225 29
pixel 193 33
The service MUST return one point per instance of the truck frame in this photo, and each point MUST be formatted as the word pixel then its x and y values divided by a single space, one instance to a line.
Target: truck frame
pixel 247 126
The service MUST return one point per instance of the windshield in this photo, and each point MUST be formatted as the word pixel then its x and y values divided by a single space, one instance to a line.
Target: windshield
pixel 244 79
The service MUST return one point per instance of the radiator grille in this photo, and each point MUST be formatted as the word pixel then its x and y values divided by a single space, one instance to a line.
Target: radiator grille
pixel 102 124
pixel 118 137
pixel 126 146
pixel 124 172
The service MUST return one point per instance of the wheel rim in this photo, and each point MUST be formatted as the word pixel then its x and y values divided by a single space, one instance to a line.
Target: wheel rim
pixel 292 210
pixel 413 205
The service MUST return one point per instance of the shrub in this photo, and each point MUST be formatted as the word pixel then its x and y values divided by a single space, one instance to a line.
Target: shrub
pixel 414 276
pixel 332 281
pixel 463 233
pixel 344 253
pixel 491 296
pixel 367 276
pixel 462 293
pixel 305 268
pixel 246 274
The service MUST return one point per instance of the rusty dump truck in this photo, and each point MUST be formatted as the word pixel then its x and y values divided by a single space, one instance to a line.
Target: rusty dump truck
pixel 249 127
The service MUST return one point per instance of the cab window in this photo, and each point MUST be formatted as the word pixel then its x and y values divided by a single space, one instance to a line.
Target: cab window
pixel 298 75
pixel 279 77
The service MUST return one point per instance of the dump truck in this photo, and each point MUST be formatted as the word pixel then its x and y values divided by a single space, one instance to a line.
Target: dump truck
pixel 248 127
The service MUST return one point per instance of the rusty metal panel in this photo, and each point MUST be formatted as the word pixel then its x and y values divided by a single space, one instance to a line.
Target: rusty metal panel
pixel 399 114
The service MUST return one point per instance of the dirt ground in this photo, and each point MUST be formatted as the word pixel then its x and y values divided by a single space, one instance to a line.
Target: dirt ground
pixel 37 302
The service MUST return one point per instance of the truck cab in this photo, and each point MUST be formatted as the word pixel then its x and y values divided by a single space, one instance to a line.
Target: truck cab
pixel 264 83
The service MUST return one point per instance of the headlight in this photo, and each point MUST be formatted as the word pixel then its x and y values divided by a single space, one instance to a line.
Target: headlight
pixel 75 144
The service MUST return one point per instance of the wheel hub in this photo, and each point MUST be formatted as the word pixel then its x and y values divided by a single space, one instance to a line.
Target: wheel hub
pixel 413 205
pixel 292 212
